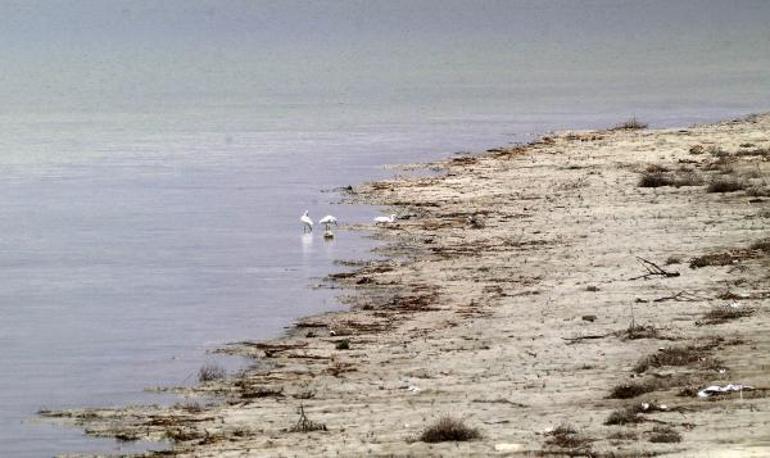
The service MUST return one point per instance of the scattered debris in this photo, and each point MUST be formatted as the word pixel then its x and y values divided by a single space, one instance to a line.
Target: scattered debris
pixel 714 390
pixel 652 270
pixel 681 296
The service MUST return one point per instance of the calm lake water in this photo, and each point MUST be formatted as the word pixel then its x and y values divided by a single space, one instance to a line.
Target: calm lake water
pixel 155 159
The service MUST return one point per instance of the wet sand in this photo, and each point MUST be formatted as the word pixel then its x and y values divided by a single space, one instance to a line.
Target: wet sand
pixel 524 289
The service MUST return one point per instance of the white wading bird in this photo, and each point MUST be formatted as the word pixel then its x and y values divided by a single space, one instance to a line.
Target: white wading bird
pixel 328 221
pixel 307 223
pixel 385 219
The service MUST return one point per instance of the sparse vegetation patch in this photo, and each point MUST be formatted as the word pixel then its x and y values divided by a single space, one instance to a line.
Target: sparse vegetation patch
pixel 674 356
pixel 304 424
pixel 717 259
pixel 656 177
pixel 565 436
pixel 724 185
pixel 665 434
pixel 448 429
pixel 625 416
pixel 630 124
pixel 726 313
pixel 632 389
pixel 211 372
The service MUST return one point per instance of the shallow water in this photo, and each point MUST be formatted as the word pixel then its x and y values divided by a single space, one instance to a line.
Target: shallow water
pixel 146 218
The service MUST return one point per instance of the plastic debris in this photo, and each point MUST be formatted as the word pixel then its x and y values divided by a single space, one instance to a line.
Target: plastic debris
pixel 717 389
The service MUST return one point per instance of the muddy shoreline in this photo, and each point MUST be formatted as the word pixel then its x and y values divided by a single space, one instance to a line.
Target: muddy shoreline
pixel 567 297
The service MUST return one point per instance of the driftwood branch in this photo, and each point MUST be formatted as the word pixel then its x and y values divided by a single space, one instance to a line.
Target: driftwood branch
pixel 682 296
pixel 653 270
pixel 574 340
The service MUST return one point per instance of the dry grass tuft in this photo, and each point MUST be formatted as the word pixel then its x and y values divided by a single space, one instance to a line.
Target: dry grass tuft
pixel 448 429
pixel 723 185
pixel 632 389
pixel 625 416
pixel 655 180
pixel 256 392
pixel 717 151
pixel 760 152
pixel 656 168
pixel 623 435
pixel 630 124
pixel 211 372
pixel 189 406
pixel 724 314
pixel 761 245
pixel 565 436
pixel 637 331
pixel 304 425
pixel 688 178
pixel 717 259
pixel 758 191
pixel 675 356
pixel 665 434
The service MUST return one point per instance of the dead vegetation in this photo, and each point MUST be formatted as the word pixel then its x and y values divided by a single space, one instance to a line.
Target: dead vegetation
pixel 756 152
pixel 665 434
pixel 565 436
pixel 652 270
pixel 449 429
pixel 724 185
pixel 638 331
pixel 625 416
pixel 761 245
pixel 684 355
pixel 633 389
pixel 257 392
pixel 758 191
pixel 304 424
pixel 715 259
pixel 631 124
pixel 726 258
pixel 660 177
pixel 211 372
pixel 189 406
pixel 343 344
pixel 623 435
pixel 723 314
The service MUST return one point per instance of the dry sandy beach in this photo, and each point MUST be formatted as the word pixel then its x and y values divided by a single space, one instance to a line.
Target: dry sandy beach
pixel 567 297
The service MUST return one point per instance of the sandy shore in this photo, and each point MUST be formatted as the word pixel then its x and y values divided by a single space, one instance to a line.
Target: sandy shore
pixel 525 289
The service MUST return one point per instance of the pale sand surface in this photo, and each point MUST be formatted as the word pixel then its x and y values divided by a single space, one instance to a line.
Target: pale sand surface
pixel 479 321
